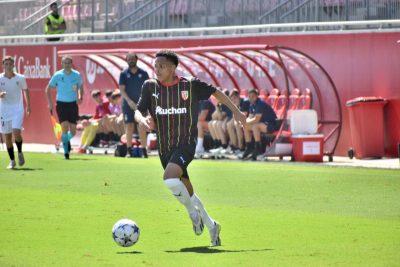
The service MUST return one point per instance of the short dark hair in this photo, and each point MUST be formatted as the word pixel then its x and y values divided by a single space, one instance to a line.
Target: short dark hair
pixel 96 93
pixel 254 91
pixel 170 55
pixel 8 58
pixel 131 54
pixel 53 4
pixel 234 92
pixel 109 92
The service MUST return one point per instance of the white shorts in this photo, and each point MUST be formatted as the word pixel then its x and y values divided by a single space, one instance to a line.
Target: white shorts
pixel 8 124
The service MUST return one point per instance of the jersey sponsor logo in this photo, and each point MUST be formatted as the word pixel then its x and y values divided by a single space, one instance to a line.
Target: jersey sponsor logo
pixel 170 111
pixel 155 95
pixel 185 95
pixel 182 159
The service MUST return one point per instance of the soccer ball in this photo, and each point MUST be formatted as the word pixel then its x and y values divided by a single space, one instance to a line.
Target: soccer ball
pixel 125 232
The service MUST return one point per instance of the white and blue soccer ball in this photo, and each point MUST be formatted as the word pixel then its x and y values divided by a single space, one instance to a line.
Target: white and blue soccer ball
pixel 125 233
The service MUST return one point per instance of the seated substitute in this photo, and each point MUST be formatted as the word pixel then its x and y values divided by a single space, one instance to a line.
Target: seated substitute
pixel 235 130
pixel 262 119
pixel 99 124
pixel 217 127
pixel 207 108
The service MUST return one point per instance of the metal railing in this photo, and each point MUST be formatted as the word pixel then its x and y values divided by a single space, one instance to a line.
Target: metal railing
pixel 331 10
pixel 119 15
pixel 204 32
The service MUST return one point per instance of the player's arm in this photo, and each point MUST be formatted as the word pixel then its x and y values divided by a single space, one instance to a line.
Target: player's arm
pixel 27 101
pixel 80 93
pixel 254 119
pixel 142 107
pixel 221 97
pixel 131 103
pixel 49 100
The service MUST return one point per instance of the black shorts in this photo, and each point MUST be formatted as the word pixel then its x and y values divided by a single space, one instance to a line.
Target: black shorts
pixel 67 111
pixel 271 127
pixel 182 156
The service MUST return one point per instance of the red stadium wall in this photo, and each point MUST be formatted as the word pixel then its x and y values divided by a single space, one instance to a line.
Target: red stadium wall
pixel 360 64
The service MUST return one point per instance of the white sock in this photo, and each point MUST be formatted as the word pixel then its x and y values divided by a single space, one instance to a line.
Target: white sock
pixel 200 141
pixel 179 190
pixel 199 145
pixel 206 218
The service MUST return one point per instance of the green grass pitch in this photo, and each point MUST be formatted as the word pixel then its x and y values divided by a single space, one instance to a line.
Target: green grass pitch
pixel 60 213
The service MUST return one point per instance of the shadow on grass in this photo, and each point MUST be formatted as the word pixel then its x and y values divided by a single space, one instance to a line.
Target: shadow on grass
pixel 81 158
pixel 206 249
pixel 129 252
pixel 28 169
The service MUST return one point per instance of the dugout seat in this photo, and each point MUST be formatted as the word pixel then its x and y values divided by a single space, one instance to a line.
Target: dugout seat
pixel 305 100
pixel 272 98
pixel 293 101
pixel 281 105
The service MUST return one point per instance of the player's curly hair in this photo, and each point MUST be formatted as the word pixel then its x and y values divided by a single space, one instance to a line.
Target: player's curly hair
pixel 170 55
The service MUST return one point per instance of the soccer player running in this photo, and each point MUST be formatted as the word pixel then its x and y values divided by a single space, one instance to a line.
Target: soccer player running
pixel 173 103
pixel 68 83
pixel 12 85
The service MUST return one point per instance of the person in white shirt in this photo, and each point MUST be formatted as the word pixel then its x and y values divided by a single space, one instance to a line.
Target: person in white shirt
pixel 12 87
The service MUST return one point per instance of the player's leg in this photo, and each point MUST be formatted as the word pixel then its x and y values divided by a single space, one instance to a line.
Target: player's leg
pixel 10 150
pixel 73 117
pixel 63 113
pixel 240 135
pixel 181 159
pixel 257 129
pixel 6 130
pixel 65 138
pixel 129 133
pixel 18 142
pixel 143 140
pixel 16 130
pixel 182 192
pixel 202 127
pixel 129 120
pixel 232 133
pixel 249 144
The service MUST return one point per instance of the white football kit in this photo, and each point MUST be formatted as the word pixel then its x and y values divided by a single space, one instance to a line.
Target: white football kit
pixel 12 104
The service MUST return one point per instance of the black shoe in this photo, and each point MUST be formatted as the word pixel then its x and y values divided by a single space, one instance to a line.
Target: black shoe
pixel 255 154
pixel 247 153
pixel 66 156
pixel 144 150
pixel 69 146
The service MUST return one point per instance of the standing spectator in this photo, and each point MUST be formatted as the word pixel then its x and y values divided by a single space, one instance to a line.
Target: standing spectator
pixel 130 85
pixel 55 23
pixel 173 103
pixel 262 119
pixel 12 85
pixel 207 108
pixel 68 83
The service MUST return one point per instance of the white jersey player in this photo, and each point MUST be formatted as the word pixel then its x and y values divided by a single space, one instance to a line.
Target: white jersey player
pixel 12 87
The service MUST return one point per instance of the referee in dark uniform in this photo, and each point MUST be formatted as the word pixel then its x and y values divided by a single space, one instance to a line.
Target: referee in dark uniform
pixel 173 104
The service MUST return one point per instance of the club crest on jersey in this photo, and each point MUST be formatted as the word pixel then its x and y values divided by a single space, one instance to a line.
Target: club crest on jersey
pixel 185 95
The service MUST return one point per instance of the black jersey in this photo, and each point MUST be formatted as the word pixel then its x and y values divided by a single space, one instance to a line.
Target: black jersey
pixel 174 109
